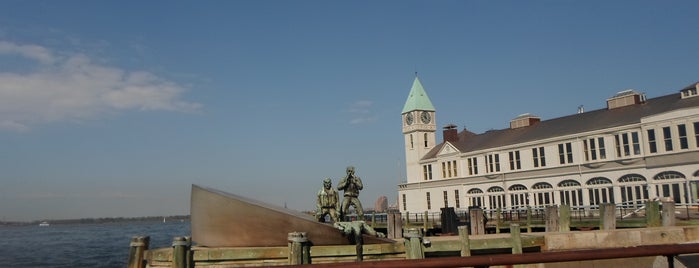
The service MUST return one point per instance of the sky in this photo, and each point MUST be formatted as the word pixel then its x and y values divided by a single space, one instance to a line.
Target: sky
pixel 115 108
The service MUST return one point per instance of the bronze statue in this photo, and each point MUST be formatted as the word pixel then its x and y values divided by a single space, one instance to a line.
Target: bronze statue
pixel 351 184
pixel 328 202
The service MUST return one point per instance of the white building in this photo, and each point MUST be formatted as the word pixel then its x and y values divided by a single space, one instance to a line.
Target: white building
pixel 634 150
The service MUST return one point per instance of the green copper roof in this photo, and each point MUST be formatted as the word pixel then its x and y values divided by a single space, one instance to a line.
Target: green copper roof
pixel 417 99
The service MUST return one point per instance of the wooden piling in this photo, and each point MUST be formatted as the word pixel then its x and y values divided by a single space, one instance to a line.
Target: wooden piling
pixel 395 225
pixel 180 250
pixel 529 219
pixel 299 248
pixel 564 218
pixel 138 247
pixel 516 239
pixel 425 222
pixel 465 241
pixel 607 213
pixel 477 221
pixel 413 244
pixel 552 219
pixel 652 214
pixel 668 213
pixel 498 217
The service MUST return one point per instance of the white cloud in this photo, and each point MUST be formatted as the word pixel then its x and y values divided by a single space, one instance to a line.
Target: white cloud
pixel 361 111
pixel 72 87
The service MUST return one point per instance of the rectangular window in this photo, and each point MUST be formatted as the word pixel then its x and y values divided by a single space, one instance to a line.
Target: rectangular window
pixel 626 146
pixel 473 166
pixel 453 166
pixel 636 142
pixel 515 164
pixel 492 163
pixel 446 199
pixel 696 133
pixel 652 146
pixel 565 153
pixel 444 169
pixel 602 151
pixel 449 169
pixel 405 207
pixel 682 132
pixel 456 199
pixel 594 148
pixel 427 172
pixel 667 137
pixel 429 204
pixel 539 157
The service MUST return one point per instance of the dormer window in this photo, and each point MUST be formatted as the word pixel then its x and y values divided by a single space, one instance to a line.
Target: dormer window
pixel 690 91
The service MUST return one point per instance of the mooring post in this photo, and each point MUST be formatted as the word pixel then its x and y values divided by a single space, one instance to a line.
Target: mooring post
pixel 299 249
pixel 465 242
pixel 477 220
pixel 180 250
pixel 607 213
pixel 668 213
pixel 395 225
pixel 552 219
pixel 564 218
pixel 529 219
pixel 425 222
pixel 498 216
pixel 652 214
pixel 138 247
pixel 413 244
pixel 373 219
pixel 516 238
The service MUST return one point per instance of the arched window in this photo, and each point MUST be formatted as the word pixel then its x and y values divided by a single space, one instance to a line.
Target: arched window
pixel 633 190
pixel 412 143
pixel 598 181
pixel 518 196
pixel 543 195
pixel 474 191
pixel 475 197
pixel 570 193
pixel 426 140
pixel 600 191
pixel 670 184
pixel 668 175
pixel 496 197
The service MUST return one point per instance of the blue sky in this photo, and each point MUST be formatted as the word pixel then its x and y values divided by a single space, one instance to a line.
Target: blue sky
pixel 114 108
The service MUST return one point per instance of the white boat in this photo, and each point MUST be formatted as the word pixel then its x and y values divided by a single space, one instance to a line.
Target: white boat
pixel 44 224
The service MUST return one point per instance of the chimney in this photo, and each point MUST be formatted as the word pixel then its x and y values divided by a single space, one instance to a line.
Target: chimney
pixel 450 133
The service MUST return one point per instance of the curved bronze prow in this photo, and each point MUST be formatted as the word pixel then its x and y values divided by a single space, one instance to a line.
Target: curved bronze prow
pixel 221 219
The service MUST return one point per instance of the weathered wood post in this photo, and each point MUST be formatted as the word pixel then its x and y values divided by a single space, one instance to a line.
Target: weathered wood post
pixel 516 238
pixel 652 214
pixel 425 222
pixel 138 247
pixel 299 248
pixel 180 250
pixel 373 219
pixel 529 219
pixel 413 244
pixel 607 212
pixel 407 218
pixel 477 220
pixel 552 219
pixel 395 225
pixel 498 217
pixel 668 213
pixel 564 218
pixel 465 242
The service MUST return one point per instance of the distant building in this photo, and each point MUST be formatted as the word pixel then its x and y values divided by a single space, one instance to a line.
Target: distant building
pixel 634 150
pixel 381 204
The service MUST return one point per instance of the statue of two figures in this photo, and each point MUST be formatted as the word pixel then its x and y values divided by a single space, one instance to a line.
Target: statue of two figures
pixel 328 198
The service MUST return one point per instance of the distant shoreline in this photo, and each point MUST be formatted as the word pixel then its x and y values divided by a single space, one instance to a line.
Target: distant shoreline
pixel 98 220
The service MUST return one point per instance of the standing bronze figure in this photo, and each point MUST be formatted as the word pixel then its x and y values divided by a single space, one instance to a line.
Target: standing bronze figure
pixel 328 202
pixel 351 184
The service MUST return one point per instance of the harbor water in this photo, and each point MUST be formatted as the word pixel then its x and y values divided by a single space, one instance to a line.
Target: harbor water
pixel 81 245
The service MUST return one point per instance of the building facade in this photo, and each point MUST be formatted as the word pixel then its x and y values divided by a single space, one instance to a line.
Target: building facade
pixel 634 150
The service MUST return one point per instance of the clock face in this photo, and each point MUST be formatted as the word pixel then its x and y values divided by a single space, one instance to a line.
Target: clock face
pixel 425 117
pixel 409 118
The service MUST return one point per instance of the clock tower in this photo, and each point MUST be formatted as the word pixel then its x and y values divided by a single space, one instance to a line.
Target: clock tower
pixel 418 130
